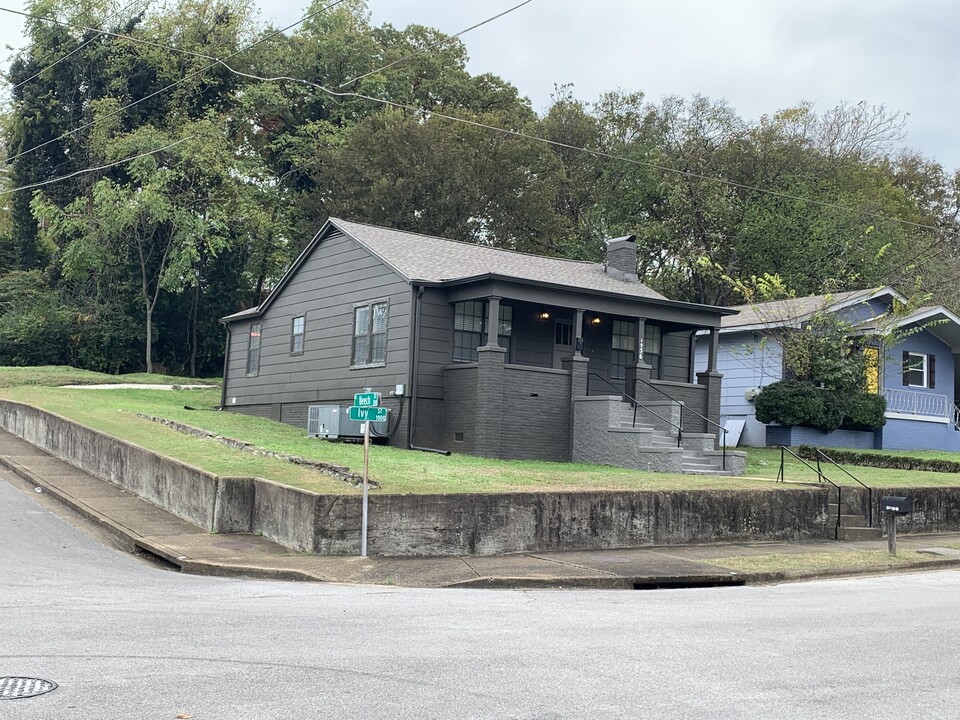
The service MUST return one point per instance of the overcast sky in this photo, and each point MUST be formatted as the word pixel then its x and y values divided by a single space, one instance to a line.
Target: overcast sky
pixel 759 55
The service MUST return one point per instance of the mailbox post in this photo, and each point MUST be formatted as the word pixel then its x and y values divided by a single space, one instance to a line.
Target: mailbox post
pixel 893 506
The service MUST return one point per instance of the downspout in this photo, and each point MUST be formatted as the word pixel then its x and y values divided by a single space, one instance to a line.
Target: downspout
pixel 414 367
pixel 226 358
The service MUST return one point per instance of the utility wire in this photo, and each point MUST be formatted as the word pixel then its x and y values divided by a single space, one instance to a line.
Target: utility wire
pixel 596 153
pixel 120 36
pixel 76 49
pixel 94 169
pixel 184 79
pixel 475 123
pixel 433 46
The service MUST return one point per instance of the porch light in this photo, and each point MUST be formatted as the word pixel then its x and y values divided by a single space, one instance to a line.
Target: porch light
pixel 595 320
pixel 544 316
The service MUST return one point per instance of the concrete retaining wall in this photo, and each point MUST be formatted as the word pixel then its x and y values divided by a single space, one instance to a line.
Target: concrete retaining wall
pixel 458 524
pixel 185 491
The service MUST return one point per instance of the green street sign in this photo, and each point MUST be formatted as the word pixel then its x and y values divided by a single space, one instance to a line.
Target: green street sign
pixel 368 414
pixel 367 399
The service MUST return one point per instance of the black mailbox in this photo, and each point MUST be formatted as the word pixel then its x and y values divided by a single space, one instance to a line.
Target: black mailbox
pixel 896 505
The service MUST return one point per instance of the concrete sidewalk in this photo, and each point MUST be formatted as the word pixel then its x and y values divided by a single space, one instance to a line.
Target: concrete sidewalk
pixel 143 527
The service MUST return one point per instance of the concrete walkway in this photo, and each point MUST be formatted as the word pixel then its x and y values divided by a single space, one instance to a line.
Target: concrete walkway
pixel 143 527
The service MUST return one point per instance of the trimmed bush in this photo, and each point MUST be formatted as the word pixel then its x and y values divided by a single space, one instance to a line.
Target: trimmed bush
pixel 877 460
pixel 865 412
pixel 793 402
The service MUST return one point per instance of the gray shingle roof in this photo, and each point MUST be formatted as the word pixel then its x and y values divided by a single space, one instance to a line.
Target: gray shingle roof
pixel 793 310
pixel 433 259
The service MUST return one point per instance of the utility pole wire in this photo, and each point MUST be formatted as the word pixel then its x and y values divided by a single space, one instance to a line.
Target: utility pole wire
pixel 505 131
pixel 172 85
pixel 119 36
pixel 76 49
pixel 433 46
pixel 95 169
pixel 596 153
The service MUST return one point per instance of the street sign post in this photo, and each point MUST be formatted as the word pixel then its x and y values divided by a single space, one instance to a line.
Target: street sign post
pixel 366 409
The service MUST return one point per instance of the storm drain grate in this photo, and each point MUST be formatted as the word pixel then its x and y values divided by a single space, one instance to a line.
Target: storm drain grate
pixel 12 688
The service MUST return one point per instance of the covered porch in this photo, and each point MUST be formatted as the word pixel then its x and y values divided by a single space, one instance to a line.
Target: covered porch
pixel 522 363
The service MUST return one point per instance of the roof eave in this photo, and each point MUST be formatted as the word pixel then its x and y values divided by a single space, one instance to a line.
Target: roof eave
pixel 589 291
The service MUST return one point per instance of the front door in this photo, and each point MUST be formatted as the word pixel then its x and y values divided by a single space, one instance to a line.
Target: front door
pixel 562 341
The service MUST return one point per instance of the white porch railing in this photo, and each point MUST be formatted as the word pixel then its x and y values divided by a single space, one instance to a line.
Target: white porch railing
pixel 909 402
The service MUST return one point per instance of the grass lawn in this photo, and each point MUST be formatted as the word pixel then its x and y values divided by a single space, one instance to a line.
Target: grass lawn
pixel 846 560
pixel 52 375
pixel 765 462
pixel 398 471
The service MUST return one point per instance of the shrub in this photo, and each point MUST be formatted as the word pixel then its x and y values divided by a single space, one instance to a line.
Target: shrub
pixel 789 402
pixel 794 402
pixel 865 412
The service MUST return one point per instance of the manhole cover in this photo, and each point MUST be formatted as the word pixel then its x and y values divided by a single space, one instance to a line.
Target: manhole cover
pixel 12 688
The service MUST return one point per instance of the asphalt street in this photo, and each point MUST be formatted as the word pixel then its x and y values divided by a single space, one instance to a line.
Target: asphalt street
pixel 127 639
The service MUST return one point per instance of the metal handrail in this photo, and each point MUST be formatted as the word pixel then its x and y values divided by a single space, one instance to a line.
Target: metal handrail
pixel 723 443
pixel 636 403
pixel 821 453
pixel 782 475
pixel 666 395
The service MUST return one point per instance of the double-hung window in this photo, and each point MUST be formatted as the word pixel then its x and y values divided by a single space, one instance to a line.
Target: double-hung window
pixel 253 348
pixel 469 326
pixel 297 330
pixel 467 330
pixel 624 347
pixel 370 334
pixel 919 370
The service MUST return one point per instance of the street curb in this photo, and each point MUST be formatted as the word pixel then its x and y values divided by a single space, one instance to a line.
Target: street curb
pixel 127 539
pixel 784 576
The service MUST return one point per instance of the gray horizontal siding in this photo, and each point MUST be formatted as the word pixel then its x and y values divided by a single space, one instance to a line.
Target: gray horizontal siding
pixel 436 343
pixel 338 274
pixel 675 360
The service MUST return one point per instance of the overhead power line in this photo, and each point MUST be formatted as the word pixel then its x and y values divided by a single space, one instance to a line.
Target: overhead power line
pixel 504 131
pixel 95 169
pixel 172 85
pixel 76 49
pixel 433 46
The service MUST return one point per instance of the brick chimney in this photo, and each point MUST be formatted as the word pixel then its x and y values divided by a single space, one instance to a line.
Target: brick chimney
pixel 622 258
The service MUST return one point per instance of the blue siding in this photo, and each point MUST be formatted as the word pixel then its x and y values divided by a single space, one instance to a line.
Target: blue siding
pixel 922 342
pixel 746 363
pixel 778 435
pixel 919 435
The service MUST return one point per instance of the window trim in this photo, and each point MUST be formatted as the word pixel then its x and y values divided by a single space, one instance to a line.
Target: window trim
pixel 369 335
pixel 254 371
pixel 924 367
pixel 294 334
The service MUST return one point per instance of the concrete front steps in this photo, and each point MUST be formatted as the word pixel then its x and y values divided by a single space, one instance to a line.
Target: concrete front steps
pixel 698 454
pixel 853 527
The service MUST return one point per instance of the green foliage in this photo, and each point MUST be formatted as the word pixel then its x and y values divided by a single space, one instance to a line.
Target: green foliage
pixel 865 411
pixel 154 249
pixel 883 460
pixel 34 326
pixel 795 402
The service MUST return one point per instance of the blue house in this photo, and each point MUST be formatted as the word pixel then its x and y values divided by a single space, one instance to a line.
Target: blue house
pixel 916 376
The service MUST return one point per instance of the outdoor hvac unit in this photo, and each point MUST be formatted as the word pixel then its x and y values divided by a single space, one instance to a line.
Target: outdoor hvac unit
pixel 331 422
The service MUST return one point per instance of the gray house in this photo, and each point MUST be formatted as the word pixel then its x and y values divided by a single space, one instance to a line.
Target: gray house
pixel 483 351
